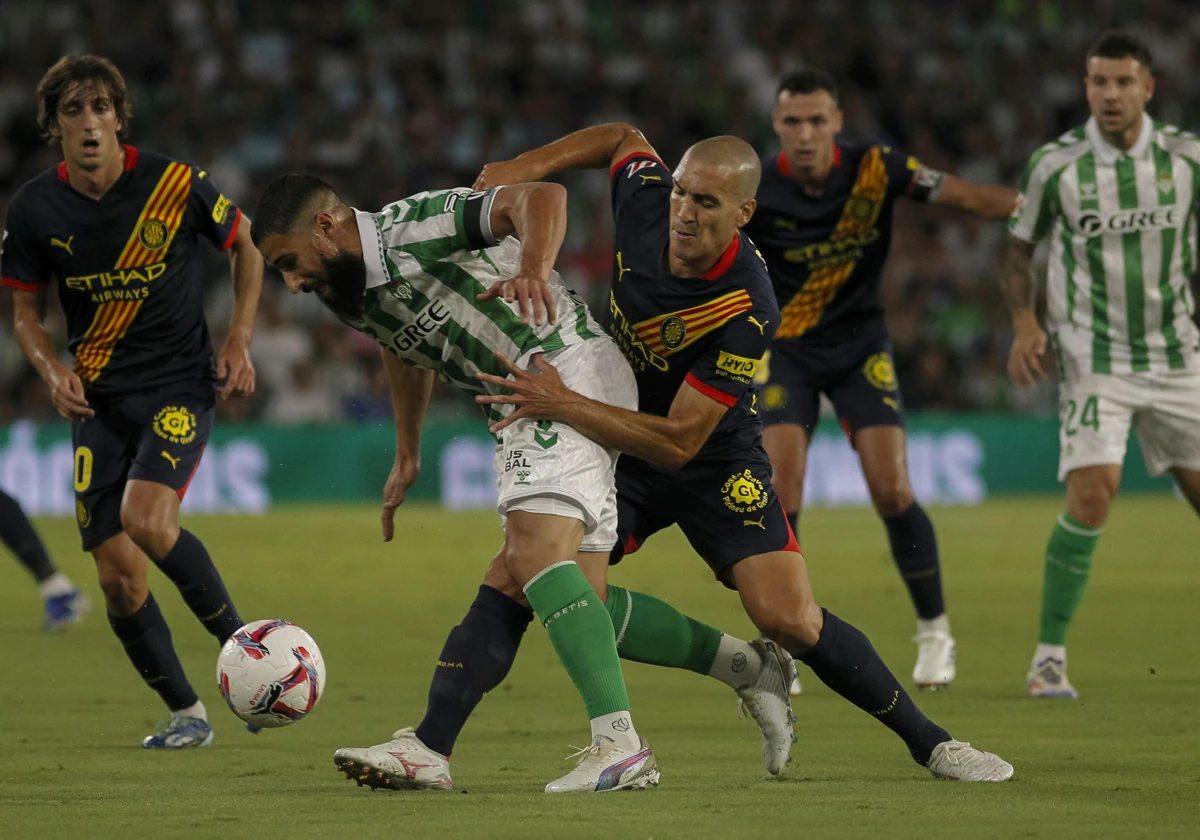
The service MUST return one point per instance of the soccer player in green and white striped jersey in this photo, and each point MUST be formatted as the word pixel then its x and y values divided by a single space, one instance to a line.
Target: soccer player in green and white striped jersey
pixel 444 281
pixel 1117 198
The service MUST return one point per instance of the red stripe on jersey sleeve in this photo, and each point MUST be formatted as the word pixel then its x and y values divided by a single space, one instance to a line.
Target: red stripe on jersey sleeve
pixel 727 400
pixel 237 221
pixel 14 283
pixel 616 167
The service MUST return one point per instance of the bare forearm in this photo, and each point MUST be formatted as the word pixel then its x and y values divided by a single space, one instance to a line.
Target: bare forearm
pixel 589 148
pixel 995 202
pixel 1016 279
pixel 659 440
pixel 246 266
pixel 540 219
pixel 36 343
pixel 410 389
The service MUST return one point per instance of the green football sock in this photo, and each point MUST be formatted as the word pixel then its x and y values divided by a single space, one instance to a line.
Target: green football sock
pixel 1068 563
pixel 652 631
pixel 582 635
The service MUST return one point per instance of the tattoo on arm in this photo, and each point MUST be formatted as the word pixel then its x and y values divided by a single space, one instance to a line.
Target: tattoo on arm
pixel 1016 275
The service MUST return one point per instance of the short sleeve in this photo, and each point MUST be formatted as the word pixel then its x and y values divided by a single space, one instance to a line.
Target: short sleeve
pixel 23 264
pixel 908 177
pixel 640 180
pixel 1037 201
pixel 726 368
pixel 214 215
pixel 440 222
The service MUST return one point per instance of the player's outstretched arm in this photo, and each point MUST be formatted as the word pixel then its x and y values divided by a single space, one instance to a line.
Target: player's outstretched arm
pixel 1029 340
pixel 536 214
pixel 669 441
pixel 66 389
pixel 989 201
pixel 598 147
pixel 233 360
pixel 410 388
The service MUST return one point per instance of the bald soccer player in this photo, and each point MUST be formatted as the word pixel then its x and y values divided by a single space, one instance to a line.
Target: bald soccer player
pixel 692 309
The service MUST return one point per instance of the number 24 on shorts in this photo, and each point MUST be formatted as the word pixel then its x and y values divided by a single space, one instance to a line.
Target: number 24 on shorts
pixel 1089 416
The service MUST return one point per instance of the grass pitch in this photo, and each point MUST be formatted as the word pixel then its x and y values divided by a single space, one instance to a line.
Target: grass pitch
pixel 1120 762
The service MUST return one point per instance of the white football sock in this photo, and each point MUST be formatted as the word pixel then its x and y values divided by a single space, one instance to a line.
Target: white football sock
pixel 1045 652
pixel 941 624
pixel 619 727
pixel 195 710
pixel 737 663
pixel 55 585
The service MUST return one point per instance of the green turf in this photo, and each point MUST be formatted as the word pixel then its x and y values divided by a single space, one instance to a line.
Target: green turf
pixel 1121 762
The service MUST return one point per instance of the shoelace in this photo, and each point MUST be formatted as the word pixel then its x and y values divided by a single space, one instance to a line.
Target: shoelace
pixel 952 752
pixel 172 722
pixel 583 753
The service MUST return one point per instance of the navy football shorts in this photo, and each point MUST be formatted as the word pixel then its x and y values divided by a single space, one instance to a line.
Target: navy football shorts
pixel 859 377
pixel 726 508
pixel 154 436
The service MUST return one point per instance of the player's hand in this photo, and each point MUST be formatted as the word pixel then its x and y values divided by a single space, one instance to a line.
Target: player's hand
pixel 504 172
pixel 1024 359
pixel 541 395
pixel 403 476
pixel 66 392
pixel 235 369
pixel 534 294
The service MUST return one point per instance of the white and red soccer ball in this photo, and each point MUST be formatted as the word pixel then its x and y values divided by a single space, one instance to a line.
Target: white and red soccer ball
pixel 271 673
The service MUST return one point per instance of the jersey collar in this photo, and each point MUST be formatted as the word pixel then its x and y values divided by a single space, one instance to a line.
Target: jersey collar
pixel 372 248
pixel 131 157
pixel 785 165
pixel 1109 154
pixel 726 260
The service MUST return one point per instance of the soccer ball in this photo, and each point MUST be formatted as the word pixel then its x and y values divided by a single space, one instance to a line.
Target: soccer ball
pixel 271 673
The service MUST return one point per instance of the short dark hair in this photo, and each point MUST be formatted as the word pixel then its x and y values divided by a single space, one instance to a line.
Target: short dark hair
pixel 66 72
pixel 282 202
pixel 1117 43
pixel 809 80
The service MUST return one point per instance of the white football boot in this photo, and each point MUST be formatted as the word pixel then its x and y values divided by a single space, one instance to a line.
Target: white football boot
pixel 605 766
pixel 935 660
pixel 795 689
pixel 1048 678
pixel 403 763
pixel 767 700
pixel 959 761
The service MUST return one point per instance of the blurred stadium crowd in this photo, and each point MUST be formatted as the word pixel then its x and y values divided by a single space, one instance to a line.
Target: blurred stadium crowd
pixel 389 98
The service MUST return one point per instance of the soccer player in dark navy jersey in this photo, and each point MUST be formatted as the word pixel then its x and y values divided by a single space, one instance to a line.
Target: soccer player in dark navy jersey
pixel 823 225
pixel 690 308
pixel 119 231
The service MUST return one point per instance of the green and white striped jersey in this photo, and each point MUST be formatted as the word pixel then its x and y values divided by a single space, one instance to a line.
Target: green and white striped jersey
pixel 427 258
pixel 1122 228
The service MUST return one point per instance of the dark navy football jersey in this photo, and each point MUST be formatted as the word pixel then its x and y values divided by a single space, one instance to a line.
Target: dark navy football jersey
pixel 126 268
pixel 826 253
pixel 709 331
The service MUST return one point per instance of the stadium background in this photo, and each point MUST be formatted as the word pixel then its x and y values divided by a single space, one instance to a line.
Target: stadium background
pixel 386 99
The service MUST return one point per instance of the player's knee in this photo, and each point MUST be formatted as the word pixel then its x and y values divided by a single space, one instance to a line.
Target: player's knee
pixel 795 628
pixel 1089 503
pixel 788 480
pixel 892 498
pixel 154 531
pixel 124 589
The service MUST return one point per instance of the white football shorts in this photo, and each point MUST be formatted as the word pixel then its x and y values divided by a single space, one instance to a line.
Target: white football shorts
pixel 1096 411
pixel 550 468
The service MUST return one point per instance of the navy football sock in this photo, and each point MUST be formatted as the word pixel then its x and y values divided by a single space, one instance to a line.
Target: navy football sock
pixel 844 660
pixel 914 547
pixel 18 534
pixel 189 567
pixel 475 659
pixel 147 642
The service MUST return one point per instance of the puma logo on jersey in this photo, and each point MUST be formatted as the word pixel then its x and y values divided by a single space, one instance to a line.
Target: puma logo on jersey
pixel 621 269
pixel 892 403
pixel 55 242
pixel 646 178
pixel 174 461
pixel 762 325
pixel 758 522
pixel 786 224
pixel 639 165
